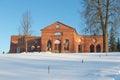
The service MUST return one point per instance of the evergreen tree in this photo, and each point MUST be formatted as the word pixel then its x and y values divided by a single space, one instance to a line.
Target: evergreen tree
pixel 112 41
pixel 118 44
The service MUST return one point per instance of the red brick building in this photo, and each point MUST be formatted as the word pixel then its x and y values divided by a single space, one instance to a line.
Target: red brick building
pixel 57 37
pixel 19 44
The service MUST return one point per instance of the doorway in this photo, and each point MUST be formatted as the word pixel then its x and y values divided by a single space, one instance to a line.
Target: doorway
pixel 92 48
pixel 98 48
pixel 79 48
pixel 57 46
pixel 49 45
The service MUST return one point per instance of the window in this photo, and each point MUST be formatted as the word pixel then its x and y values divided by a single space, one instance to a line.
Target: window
pixel 32 48
pixel 98 48
pixel 18 50
pixel 57 26
pixel 57 42
pixel 57 46
pixel 35 41
pixel 94 40
pixel 91 48
pixel 79 48
pixel 66 44
pixel 58 33
pixel 49 45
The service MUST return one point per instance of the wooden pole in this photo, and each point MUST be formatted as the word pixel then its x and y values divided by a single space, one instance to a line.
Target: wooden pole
pixel 48 69
pixel 26 45
pixel 82 61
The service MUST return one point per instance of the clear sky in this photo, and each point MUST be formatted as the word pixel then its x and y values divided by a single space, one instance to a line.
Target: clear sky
pixel 43 13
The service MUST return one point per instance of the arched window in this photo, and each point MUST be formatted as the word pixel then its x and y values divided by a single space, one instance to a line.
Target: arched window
pixel 18 50
pixel 66 44
pixel 32 48
pixel 98 48
pixel 92 48
pixel 57 26
pixel 57 46
pixel 49 45
pixel 58 33
pixel 79 48
pixel 57 42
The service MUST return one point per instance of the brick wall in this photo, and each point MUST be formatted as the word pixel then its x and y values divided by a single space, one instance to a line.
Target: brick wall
pixel 19 42
pixel 58 37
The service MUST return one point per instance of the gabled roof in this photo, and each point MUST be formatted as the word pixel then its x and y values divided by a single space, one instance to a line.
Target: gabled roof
pixel 57 22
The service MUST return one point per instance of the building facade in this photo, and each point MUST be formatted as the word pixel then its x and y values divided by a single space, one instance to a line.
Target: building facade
pixel 57 38
pixel 20 44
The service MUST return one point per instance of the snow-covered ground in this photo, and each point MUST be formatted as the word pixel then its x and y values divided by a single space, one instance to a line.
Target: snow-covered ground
pixel 52 66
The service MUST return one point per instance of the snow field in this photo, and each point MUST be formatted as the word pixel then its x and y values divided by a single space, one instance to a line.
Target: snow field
pixel 52 66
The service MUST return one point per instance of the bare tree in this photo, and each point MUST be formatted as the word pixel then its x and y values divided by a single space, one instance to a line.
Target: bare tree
pixel 100 15
pixel 25 28
pixel 26 23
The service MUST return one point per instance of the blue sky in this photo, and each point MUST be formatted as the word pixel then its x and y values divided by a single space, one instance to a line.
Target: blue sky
pixel 43 13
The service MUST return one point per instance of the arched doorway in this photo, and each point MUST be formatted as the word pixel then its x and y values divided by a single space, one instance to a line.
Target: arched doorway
pixel 49 45
pixel 98 48
pixel 92 48
pixel 57 46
